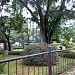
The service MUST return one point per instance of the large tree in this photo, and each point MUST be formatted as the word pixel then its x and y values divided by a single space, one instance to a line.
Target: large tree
pixel 13 22
pixel 5 28
pixel 48 14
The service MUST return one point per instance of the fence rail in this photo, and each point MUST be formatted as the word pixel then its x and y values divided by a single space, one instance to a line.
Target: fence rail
pixel 55 62
pixel 21 57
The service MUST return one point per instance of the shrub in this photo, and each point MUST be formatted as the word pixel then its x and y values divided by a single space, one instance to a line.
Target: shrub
pixel 2 64
pixel 69 55
pixel 17 47
pixel 38 60
pixel 15 52
pixel 57 44
pixel 67 43
pixel 66 51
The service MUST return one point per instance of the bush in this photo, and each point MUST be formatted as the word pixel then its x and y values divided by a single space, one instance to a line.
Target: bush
pixel 15 52
pixel 69 55
pixel 41 59
pixel 56 44
pixel 67 43
pixel 2 64
pixel 66 51
pixel 17 47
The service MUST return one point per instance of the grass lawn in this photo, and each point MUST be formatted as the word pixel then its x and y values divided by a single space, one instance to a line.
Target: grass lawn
pixel 18 50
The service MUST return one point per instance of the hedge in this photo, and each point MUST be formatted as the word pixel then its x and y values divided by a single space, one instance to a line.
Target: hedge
pixel 69 55
pixel 41 59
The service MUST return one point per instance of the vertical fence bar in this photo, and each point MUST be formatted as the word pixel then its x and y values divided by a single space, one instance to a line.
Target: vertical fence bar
pixel 47 64
pixel 28 66
pixel 22 68
pixel 56 65
pixel 73 58
pixel 46 70
pixel 8 68
pixel 38 69
pixel 49 61
pixel 59 58
pixel 42 70
pixel 43 67
pixel 63 63
pixel 34 69
pixel 16 67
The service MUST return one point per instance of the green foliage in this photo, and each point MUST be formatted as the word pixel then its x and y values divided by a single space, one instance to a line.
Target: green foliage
pixel 41 59
pixel 51 15
pixel 57 44
pixel 53 47
pixel 68 32
pixel 2 64
pixel 17 47
pixel 66 51
pixel 15 52
pixel 15 23
pixel 69 54
pixel 66 43
pixel 55 54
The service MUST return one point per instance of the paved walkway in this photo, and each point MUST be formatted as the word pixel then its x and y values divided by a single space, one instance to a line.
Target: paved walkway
pixel 69 72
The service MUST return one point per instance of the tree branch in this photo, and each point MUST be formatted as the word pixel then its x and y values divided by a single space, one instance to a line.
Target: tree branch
pixel 57 18
pixel 40 13
pixel 70 14
pixel 61 10
pixel 49 2
pixel 31 12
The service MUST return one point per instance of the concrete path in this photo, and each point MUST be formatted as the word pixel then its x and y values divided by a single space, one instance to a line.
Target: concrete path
pixel 69 72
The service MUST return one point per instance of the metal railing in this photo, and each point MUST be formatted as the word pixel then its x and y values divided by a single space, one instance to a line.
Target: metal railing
pixel 56 63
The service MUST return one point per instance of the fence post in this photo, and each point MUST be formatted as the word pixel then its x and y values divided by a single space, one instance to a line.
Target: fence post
pixel 49 61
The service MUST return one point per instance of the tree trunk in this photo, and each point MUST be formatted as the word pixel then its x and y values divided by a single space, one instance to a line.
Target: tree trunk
pixel 46 39
pixel 9 45
pixel 5 52
pixel 8 41
pixel 43 36
pixel 46 34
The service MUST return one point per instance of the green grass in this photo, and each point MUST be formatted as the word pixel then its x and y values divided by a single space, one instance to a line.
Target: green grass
pixel 14 52
pixel 56 44
pixel 18 50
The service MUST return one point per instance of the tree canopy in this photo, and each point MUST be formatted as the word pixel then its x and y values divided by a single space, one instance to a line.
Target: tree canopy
pixel 15 21
pixel 49 14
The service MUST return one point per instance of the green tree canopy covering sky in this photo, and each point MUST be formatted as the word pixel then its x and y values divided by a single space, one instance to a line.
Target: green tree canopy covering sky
pixel 48 14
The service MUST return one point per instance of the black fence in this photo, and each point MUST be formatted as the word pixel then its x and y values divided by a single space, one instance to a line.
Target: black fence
pixel 46 63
